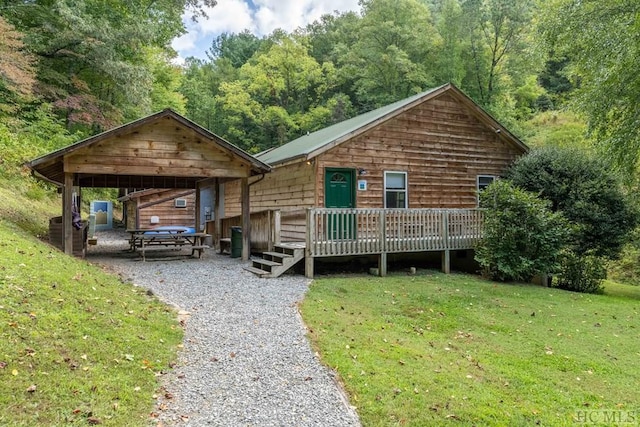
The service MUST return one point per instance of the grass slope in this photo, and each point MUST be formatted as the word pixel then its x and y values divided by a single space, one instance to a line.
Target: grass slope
pixel 77 346
pixel 455 349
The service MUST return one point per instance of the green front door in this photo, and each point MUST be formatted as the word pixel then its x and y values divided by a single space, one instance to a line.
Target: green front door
pixel 339 192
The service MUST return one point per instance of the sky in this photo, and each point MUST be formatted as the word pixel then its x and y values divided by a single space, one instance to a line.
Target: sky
pixel 260 17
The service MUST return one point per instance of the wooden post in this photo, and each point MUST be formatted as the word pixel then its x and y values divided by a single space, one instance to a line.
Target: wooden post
pixel 382 264
pixel 218 213
pixel 277 225
pixel 198 203
pixel 246 220
pixel 67 220
pixel 382 235
pixel 308 253
pixel 446 253
pixel 446 261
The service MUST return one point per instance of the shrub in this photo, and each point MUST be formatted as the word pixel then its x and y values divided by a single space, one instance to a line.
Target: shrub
pixel 581 273
pixel 585 190
pixel 522 237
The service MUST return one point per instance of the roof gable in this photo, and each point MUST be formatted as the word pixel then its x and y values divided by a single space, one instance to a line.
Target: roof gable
pixel 313 144
pixel 163 144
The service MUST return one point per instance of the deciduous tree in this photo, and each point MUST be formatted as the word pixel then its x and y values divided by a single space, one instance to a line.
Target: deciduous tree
pixel 601 39
pixel 393 55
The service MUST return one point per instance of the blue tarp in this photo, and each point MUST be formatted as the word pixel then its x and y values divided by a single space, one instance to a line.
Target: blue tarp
pixel 166 229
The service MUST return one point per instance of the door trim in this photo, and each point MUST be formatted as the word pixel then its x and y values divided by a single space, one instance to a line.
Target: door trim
pixel 350 171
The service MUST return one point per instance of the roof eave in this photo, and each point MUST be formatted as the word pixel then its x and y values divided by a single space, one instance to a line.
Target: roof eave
pixel 502 132
pixel 256 166
pixel 40 176
pixel 376 122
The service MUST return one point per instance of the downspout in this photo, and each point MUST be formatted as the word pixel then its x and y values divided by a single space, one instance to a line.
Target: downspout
pixel 257 180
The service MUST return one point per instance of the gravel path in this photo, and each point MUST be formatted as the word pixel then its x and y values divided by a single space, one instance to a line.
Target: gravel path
pixel 246 360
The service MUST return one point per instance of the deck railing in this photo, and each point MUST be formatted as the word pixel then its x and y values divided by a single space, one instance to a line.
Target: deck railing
pixel 340 232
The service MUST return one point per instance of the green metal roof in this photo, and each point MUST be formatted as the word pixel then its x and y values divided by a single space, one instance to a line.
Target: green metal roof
pixel 310 143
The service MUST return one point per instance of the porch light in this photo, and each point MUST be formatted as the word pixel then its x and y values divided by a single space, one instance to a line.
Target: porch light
pixel 362 171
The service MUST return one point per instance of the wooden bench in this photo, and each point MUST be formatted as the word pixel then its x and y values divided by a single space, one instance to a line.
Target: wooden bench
pixel 200 249
pixel 225 244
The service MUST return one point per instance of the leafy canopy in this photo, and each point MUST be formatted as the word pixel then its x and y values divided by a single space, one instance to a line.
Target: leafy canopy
pixel 601 39
pixel 585 190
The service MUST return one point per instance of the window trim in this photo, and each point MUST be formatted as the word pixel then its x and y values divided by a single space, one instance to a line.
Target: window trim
pixel 406 188
pixel 478 189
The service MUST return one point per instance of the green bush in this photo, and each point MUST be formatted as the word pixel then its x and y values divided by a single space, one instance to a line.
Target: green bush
pixel 586 191
pixel 522 237
pixel 581 273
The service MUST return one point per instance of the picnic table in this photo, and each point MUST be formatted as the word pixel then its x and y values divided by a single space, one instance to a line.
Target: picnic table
pixel 165 237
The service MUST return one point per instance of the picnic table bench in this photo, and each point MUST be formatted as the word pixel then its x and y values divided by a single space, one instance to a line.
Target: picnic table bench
pixel 144 239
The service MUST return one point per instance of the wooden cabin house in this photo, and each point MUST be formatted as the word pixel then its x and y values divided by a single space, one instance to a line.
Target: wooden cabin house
pixel 393 165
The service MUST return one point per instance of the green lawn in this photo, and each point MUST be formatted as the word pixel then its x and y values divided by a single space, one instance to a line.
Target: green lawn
pixel 77 346
pixel 437 349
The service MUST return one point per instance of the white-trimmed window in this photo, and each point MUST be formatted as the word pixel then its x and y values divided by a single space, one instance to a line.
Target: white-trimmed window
pixel 483 182
pixel 395 190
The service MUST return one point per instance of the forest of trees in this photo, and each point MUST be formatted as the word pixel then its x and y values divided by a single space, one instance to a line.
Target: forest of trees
pixel 559 72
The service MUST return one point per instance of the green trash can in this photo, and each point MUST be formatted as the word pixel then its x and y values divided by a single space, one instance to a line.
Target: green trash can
pixel 236 242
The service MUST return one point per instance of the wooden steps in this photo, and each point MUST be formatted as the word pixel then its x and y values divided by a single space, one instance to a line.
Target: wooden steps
pixel 274 264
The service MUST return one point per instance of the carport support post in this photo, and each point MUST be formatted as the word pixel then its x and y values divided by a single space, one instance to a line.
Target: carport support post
pixel 218 214
pixel 246 220
pixel 198 189
pixel 67 207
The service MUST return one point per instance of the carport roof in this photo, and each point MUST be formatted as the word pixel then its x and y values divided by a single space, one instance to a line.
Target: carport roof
pixel 51 167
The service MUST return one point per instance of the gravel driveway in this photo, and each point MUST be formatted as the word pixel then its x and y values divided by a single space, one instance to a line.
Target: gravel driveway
pixel 246 360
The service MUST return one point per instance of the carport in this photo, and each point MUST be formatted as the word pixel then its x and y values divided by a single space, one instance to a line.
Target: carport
pixel 163 150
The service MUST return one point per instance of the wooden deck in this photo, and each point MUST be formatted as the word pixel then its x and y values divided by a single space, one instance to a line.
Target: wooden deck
pixel 356 232
pixel 351 232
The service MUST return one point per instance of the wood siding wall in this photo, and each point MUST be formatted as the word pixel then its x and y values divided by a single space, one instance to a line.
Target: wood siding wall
pixel 441 146
pixel 161 148
pixel 162 205
pixel 288 188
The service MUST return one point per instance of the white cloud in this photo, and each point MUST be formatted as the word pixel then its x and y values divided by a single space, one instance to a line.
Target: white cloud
pixel 228 16
pixel 185 42
pixel 260 17
pixel 291 14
